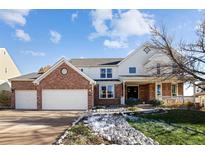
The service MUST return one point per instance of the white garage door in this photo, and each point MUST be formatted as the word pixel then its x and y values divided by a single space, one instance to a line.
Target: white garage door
pixel 65 99
pixel 26 99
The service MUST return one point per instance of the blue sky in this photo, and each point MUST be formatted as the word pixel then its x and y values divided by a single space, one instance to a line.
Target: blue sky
pixel 35 38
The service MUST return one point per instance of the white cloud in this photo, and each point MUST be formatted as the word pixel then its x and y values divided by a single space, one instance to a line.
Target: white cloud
pixel 33 53
pixel 21 35
pixel 14 17
pixel 55 37
pixel 115 44
pixel 74 16
pixel 120 26
pixel 132 23
pixel 99 18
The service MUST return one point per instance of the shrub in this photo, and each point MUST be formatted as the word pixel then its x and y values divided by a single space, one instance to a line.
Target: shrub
pixel 156 102
pixel 5 98
pixel 188 104
pixel 133 101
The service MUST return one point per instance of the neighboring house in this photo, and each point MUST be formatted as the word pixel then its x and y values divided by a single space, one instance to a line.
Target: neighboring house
pixel 80 84
pixel 7 70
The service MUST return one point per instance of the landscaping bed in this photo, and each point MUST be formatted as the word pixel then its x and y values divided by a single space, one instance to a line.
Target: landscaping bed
pixel 174 127
pixel 82 135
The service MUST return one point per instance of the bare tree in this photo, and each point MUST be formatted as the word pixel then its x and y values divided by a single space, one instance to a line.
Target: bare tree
pixel 188 57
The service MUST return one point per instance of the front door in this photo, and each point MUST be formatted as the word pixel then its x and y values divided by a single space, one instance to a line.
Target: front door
pixel 132 92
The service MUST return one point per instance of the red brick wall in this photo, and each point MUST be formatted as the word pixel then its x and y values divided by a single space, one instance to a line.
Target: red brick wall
pixel 166 89
pixel 56 80
pixel 115 101
pixel 180 89
pixel 151 91
pixel 144 92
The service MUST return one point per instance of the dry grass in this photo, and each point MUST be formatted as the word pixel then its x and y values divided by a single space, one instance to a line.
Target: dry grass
pixel 82 135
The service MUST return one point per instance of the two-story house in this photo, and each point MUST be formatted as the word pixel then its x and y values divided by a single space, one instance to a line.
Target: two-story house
pixel 84 83
pixel 8 70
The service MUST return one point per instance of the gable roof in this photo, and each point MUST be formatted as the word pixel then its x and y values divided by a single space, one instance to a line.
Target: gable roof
pixel 26 77
pixel 95 61
pixel 57 64
pixel 132 52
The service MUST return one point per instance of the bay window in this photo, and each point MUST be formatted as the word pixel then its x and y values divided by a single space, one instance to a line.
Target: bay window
pixel 106 91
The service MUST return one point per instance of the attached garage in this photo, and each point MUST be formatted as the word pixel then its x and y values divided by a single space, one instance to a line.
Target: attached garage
pixel 26 99
pixel 65 99
pixel 61 87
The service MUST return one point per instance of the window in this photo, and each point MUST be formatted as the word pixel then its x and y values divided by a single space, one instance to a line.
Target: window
pixel 159 90
pixel 107 91
pixel 174 90
pixel 102 73
pixel 158 68
pixel 103 92
pixel 81 69
pixel 109 73
pixel 132 70
pixel 174 68
pixel 106 73
pixel 110 91
pixel 147 50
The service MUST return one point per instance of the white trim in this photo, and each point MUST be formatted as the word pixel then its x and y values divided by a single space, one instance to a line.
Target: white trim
pixel 108 82
pixel 57 64
pixel 106 85
pixel 21 80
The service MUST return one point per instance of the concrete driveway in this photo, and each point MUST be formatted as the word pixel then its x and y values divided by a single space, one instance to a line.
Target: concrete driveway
pixel 34 127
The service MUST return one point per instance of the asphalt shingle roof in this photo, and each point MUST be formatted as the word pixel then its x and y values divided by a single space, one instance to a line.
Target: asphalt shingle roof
pixel 31 76
pixel 95 61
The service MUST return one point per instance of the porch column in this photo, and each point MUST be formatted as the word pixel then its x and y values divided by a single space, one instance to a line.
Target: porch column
pixel 123 93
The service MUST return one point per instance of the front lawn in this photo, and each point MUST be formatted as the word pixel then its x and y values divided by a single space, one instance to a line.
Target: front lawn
pixel 177 127
pixel 82 135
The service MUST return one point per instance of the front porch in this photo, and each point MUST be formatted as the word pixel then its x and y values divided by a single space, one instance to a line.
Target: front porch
pixel 146 89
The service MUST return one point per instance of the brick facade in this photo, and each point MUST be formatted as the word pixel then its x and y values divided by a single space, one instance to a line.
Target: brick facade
pixel 55 80
pixel 166 89
pixel 73 80
pixel 180 89
pixel 144 92
pixel 114 101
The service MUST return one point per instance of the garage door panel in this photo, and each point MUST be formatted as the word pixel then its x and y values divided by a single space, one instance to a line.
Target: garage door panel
pixel 26 99
pixel 65 99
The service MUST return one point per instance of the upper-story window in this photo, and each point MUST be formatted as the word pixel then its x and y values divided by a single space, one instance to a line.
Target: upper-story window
pixel 132 70
pixel 106 73
pixel 103 73
pixel 147 50
pixel 158 68
pixel 81 69
pixel 174 68
pixel 109 73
